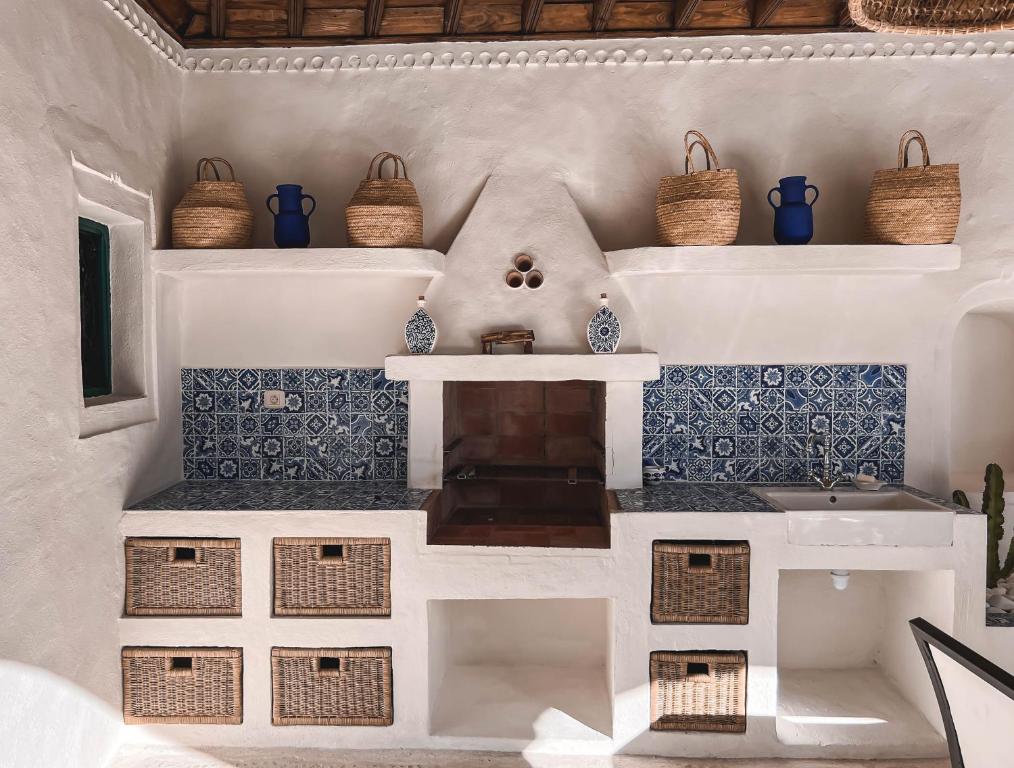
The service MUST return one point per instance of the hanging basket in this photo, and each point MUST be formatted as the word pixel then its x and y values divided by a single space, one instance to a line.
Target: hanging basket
pixel 385 213
pixel 941 17
pixel 913 206
pixel 212 214
pixel 700 207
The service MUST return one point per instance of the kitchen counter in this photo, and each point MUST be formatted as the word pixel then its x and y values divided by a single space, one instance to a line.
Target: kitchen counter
pixel 727 497
pixel 249 495
pixel 253 495
pixel 692 497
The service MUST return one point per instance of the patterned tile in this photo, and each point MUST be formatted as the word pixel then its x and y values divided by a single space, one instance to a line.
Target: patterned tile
pixel 243 494
pixel 344 424
pixel 749 423
pixel 692 497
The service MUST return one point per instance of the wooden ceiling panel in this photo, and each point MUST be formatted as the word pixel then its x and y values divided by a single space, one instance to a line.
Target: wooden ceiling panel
pixel 256 18
pixel 721 14
pixel 565 17
pixel 640 15
pixel 330 5
pixel 412 21
pixel 198 23
pixel 482 18
pixel 806 13
pixel 333 22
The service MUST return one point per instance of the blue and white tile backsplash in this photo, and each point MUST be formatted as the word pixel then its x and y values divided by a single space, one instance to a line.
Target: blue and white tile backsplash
pixel 749 423
pixel 337 424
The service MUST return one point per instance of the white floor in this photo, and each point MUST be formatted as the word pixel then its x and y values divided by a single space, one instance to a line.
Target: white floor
pixel 253 758
pixel 524 702
pixel 828 707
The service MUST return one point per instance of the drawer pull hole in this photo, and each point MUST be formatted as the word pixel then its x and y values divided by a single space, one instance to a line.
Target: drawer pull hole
pixel 332 551
pixel 697 670
pixel 332 665
pixel 700 560
pixel 181 664
pixel 184 554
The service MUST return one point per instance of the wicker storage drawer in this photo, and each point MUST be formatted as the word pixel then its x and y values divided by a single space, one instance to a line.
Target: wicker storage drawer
pixel 182 685
pixel 332 577
pixel 700 582
pixel 331 686
pixel 698 691
pixel 182 577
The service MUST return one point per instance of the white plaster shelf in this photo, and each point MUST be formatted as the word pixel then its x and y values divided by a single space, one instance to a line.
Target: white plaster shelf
pixel 638 366
pixel 785 259
pixel 393 262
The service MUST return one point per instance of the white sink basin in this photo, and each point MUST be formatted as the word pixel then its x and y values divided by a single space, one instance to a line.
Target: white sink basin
pixel 846 517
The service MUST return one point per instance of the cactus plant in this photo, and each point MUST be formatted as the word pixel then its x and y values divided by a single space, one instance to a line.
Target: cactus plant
pixel 992 506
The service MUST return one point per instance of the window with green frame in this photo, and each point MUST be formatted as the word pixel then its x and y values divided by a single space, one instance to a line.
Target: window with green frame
pixel 96 339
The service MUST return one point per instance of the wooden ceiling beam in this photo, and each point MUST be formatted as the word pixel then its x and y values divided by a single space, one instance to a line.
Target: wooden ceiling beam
pixel 175 25
pixel 492 37
pixel 452 17
pixel 374 15
pixel 216 12
pixel 683 13
pixel 295 14
pixel 601 11
pixel 764 11
pixel 844 16
pixel 531 10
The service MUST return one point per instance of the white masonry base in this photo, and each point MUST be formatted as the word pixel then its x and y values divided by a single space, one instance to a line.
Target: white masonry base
pixel 619 639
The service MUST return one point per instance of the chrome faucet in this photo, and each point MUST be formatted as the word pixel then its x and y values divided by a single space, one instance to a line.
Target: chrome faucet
pixel 828 478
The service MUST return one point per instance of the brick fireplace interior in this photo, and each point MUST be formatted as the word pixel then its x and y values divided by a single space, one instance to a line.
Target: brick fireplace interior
pixel 523 465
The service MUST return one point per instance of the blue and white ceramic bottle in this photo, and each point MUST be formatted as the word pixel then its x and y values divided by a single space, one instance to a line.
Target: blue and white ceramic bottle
pixel 604 329
pixel 421 331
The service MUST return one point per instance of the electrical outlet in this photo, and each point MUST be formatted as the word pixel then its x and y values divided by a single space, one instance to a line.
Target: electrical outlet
pixel 274 398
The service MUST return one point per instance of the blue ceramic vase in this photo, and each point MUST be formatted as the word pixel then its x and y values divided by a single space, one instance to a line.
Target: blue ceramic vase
pixel 421 331
pixel 292 226
pixel 604 329
pixel 793 215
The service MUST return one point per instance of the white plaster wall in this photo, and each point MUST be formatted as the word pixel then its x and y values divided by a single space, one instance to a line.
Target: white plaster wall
pixel 983 409
pixel 73 79
pixel 568 633
pixel 911 595
pixel 820 627
pixel 607 132
pixel 439 587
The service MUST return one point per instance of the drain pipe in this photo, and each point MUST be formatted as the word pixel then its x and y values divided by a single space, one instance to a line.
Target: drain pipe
pixel 840 579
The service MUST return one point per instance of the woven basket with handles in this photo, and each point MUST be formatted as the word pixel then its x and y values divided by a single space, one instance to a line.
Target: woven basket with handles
pixel 213 214
pixel 913 206
pixel 385 213
pixel 939 17
pixel 700 207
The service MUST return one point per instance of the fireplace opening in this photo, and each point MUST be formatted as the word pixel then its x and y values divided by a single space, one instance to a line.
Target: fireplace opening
pixel 524 465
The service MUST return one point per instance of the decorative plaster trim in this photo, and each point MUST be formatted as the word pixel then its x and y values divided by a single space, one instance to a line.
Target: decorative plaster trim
pixel 635 52
pixel 662 51
pixel 138 20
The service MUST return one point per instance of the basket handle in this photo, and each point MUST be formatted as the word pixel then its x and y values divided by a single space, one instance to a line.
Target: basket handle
pixel 712 158
pixel 906 141
pixel 331 554
pixel 699 671
pixel 180 666
pixel 331 666
pixel 384 157
pixel 184 556
pixel 378 156
pixel 210 162
pixel 396 159
pixel 700 561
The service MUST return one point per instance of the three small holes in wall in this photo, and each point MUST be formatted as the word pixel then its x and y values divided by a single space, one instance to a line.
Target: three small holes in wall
pixel 524 275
